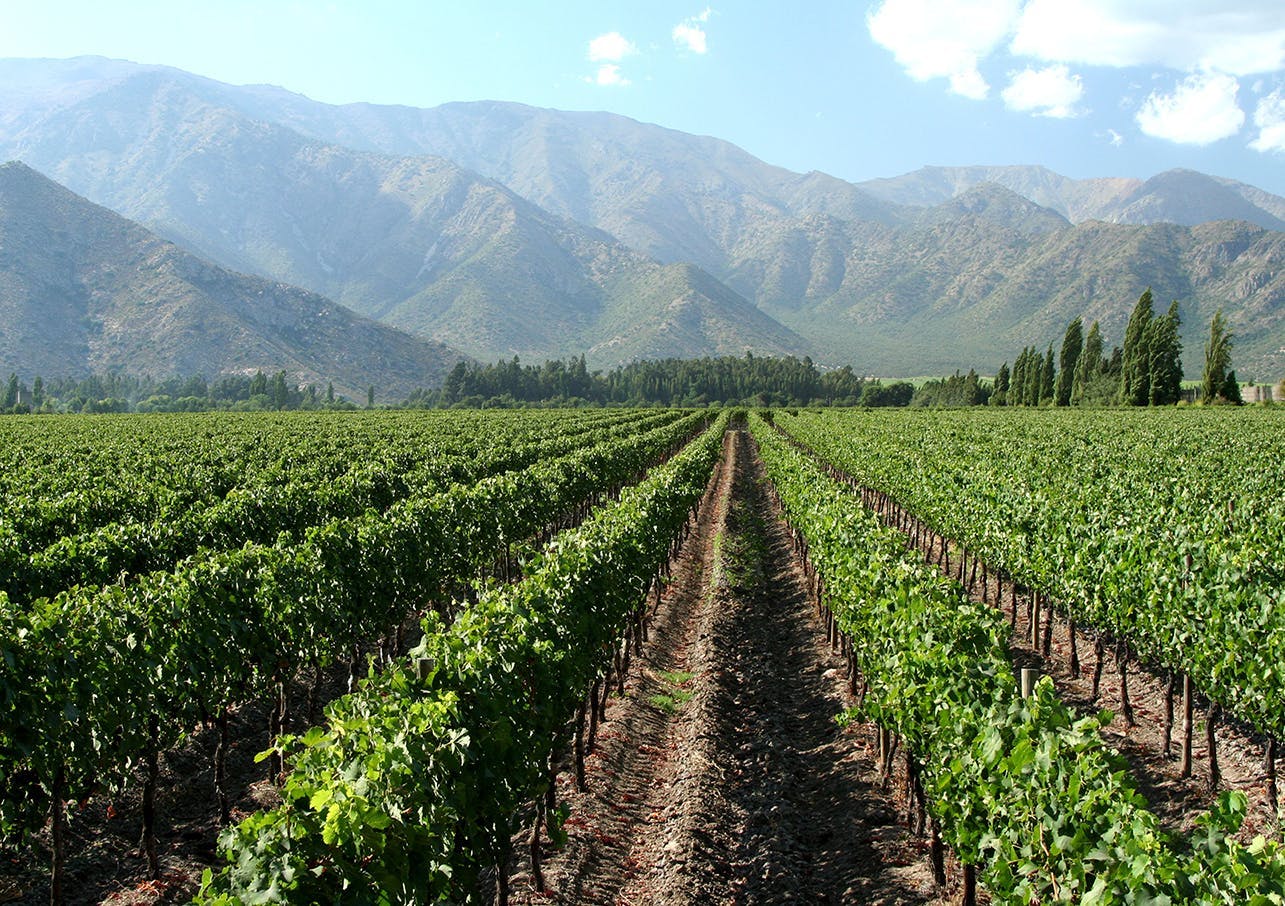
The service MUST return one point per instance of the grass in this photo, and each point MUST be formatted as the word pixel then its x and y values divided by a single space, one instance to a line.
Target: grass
pixel 676 696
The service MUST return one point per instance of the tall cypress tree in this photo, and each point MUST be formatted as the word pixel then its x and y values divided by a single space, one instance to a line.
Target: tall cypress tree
pixel 1089 365
pixel 1017 380
pixel 1217 359
pixel 1164 350
pixel 1072 345
pixel 1034 367
pixel 1048 378
pixel 1135 374
pixel 1001 385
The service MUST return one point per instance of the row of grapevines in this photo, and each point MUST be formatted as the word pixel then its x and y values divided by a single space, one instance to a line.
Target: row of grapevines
pixel 65 476
pixel 414 785
pixel 94 680
pixel 1164 529
pixel 259 513
pixel 1018 786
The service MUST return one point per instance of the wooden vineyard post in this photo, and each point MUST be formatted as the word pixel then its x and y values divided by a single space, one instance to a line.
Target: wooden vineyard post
pixel 1075 652
pixel 1033 611
pixel 1211 741
pixel 593 714
pixel 579 745
pixel 1126 706
pixel 1048 628
pixel 1099 652
pixel 969 894
pixel 1269 766
pixel 537 871
pixel 1168 734
pixel 936 853
pixel 220 768
pixel 1184 766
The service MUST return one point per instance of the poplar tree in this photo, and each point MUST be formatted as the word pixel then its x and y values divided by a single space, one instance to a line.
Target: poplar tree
pixel 1017 381
pixel 1001 385
pixel 1217 359
pixel 1031 390
pixel 1072 345
pixel 1048 380
pixel 1135 373
pixel 1164 350
pixel 1089 365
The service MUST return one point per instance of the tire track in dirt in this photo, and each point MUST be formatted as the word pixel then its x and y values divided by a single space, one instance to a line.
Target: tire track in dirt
pixel 748 791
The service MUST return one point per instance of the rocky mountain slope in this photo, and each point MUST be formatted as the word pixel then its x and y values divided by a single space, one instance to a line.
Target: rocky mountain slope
pixel 417 242
pixel 507 229
pixel 85 290
pixel 1176 196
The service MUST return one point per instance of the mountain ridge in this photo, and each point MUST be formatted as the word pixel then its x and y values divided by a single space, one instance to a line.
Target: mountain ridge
pixel 939 269
pixel 84 290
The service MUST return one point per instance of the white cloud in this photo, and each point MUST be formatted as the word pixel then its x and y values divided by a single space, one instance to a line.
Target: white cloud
pixel 691 37
pixel 1051 91
pixel 1202 109
pixel 609 74
pixel 610 48
pixel 944 38
pixel 1115 139
pixel 1269 117
pixel 1239 37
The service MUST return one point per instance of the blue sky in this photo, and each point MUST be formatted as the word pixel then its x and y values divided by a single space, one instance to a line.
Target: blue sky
pixel 856 89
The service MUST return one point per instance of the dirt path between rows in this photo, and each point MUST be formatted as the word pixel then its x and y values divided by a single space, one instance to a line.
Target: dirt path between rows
pixel 721 776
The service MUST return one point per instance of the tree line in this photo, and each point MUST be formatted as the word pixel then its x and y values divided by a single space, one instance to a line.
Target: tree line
pixel 114 392
pixel 1145 371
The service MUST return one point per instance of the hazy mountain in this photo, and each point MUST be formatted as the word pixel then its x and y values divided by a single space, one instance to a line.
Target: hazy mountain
pixel 934 270
pixel 1176 196
pixel 966 291
pixel 670 195
pixel 417 242
pixel 85 290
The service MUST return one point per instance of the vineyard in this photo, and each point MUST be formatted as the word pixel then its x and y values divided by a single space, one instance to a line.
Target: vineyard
pixel 597 656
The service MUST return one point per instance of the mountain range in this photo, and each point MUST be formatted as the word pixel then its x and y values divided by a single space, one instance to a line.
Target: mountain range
pixel 500 229
pixel 83 290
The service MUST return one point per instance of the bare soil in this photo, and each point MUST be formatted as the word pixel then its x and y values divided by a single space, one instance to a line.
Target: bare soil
pixel 722 776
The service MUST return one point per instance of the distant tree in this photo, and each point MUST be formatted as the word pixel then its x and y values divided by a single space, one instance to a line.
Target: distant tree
pixel 1072 346
pixel 330 392
pixel 1048 379
pixel 10 398
pixel 259 384
pixel 279 391
pixel 1088 366
pixel 876 394
pixel 1034 373
pixel 1017 381
pixel 370 397
pixel 1135 375
pixel 1231 389
pixel 37 391
pixel 1164 351
pixel 1217 359
pixel 1000 396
